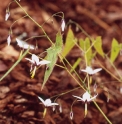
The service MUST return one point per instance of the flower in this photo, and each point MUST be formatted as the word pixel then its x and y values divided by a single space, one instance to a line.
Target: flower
pixel 71 115
pixel 9 40
pixel 35 62
pixel 47 102
pixel 90 71
pixel 63 25
pixel 7 15
pixel 23 44
pixel 85 98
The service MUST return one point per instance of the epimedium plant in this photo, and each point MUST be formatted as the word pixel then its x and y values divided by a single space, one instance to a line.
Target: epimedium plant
pixel 89 48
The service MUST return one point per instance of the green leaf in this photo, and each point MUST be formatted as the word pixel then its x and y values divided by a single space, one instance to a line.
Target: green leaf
pixel 70 42
pixel 77 62
pixel 85 45
pixel 98 46
pixel 115 49
pixel 52 55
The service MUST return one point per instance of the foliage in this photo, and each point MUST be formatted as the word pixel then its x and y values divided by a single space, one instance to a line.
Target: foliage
pixel 52 56
pixel 90 48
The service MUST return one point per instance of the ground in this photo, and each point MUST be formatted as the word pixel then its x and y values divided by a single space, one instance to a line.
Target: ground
pixel 19 103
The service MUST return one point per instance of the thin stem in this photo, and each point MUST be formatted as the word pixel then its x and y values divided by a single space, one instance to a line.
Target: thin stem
pixel 88 79
pixel 15 64
pixel 9 6
pixel 56 14
pixel 34 37
pixel 65 59
pixel 61 94
pixel 71 73
pixel 34 21
pixel 108 71
pixel 84 33
pixel 15 22
pixel 114 67
pixel 100 64
pixel 102 112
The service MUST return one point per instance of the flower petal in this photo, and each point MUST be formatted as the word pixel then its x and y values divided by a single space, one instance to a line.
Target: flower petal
pixel 29 60
pixel 92 98
pixel 35 59
pixel 63 25
pixel 26 46
pixel 79 98
pixel 60 108
pixel 54 108
pixel 23 44
pixel 83 70
pixel 43 62
pixel 7 16
pixel 97 70
pixel 52 104
pixel 41 100
pixel 9 40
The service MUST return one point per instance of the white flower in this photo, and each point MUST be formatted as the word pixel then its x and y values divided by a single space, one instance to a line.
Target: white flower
pixel 7 15
pixel 63 25
pixel 90 71
pixel 9 40
pixel 23 44
pixel 36 62
pixel 85 97
pixel 47 102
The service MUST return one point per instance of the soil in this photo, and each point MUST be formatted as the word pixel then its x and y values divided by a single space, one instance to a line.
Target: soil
pixel 19 103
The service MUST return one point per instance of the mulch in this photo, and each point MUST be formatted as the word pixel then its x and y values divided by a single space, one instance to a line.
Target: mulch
pixel 19 103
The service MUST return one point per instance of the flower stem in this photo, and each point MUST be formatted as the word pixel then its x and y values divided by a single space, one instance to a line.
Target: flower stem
pixel 15 64
pixel 34 21
pixel 102 113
